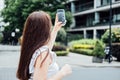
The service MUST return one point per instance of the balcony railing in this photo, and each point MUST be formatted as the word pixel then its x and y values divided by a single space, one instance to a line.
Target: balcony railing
pixel 83 7
pixel 108 3
pixel 102 21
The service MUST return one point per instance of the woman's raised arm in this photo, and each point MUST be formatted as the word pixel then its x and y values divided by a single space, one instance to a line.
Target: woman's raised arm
pixel 54 32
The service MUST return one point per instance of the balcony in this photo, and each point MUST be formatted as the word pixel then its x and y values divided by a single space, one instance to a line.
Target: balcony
pixel 83 7
pixel 107 3
pixel 103 21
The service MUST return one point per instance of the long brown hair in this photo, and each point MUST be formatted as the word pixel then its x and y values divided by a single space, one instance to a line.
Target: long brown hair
pixel 35 34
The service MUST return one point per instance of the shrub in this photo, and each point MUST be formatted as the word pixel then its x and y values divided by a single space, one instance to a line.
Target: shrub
pixel 60 49
pixel 98 50
pixel 61 37
pixel 115 35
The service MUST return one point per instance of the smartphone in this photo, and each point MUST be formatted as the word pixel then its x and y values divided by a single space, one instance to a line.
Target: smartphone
pixel 61 16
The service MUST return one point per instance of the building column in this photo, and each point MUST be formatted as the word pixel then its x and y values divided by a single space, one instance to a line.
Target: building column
pixel 97 18
pixel 84 34
pixel 114 18
pixel 73 23
pixel 72 7
pixel 94 34
pixel 113 1
pixel 97 3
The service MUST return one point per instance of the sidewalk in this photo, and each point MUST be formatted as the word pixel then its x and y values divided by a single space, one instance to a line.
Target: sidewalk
pixel 84 61
pixel 81 66
pixel 9 48
pixel 75 60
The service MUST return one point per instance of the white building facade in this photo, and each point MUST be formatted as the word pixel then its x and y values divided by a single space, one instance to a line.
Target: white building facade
pixel 91 17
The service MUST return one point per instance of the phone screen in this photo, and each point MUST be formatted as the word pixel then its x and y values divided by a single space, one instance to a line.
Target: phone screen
pixel 61 15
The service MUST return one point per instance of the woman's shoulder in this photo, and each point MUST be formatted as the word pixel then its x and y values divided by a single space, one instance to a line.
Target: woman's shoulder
pixel 42 49
pixel 38 55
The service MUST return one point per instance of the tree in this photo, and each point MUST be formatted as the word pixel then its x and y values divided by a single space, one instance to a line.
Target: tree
pixel 16 11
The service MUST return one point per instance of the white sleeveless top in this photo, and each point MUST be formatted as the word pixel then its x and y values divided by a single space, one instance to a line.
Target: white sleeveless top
pixel 53 67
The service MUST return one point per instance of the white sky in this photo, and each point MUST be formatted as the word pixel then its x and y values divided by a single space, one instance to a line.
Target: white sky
pixel 1 4
pixel 1 7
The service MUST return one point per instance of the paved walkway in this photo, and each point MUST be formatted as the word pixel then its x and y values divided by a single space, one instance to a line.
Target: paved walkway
pixel 72 59
pixel 9 48
pixel 81 65
pixel 84 61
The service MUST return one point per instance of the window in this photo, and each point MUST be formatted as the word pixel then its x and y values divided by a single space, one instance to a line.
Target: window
pixel 105 2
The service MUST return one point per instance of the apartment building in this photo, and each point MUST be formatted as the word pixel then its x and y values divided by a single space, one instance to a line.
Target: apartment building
pixel 91 17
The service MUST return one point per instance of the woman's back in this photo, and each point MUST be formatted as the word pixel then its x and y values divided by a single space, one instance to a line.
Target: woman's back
pixel 53 67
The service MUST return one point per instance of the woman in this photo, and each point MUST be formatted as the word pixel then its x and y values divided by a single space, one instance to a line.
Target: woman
pixel 20 40
pixel 37 62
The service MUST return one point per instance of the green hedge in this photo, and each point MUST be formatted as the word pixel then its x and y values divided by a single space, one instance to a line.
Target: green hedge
pixel 83 41
pixel 62 53
pixel 82 51
pixel 84 46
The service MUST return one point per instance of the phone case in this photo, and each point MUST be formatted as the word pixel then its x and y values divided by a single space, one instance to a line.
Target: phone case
pixel 61 15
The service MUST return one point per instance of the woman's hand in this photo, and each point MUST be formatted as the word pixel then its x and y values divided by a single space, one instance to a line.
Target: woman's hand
pixel 66 70
pixel 58 24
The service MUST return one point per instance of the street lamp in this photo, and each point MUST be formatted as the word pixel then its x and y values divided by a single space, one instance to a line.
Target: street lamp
pixel 13 35
pixel 110 22
pixel 17 30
